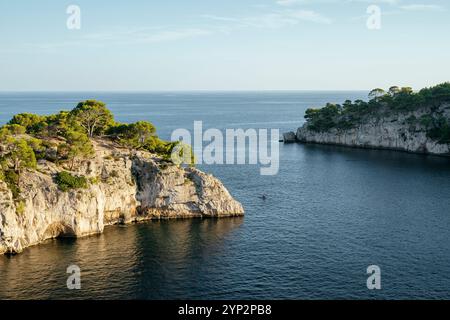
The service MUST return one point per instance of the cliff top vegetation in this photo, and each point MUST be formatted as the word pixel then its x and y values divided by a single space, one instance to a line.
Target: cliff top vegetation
pixel 65 139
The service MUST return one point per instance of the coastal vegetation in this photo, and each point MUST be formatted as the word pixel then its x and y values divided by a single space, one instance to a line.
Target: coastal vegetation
pixel 383 104
pixel 67 181
pixel 65 139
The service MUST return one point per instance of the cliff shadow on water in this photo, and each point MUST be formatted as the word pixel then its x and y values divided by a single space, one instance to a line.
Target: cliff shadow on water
pixel 147 260
pixel 379 156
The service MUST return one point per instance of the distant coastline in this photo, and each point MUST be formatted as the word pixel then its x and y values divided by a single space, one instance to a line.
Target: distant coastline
pixel 399 119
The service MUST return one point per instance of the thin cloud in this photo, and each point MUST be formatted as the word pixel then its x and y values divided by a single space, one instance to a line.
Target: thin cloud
pixel 389 2
pixel 147 35
pixel 274 19
pixel 400 5
pixel 124 37
pixel 288 3
pixel 173 35
pixel 422 7
pixel 311 16
pixel 219 18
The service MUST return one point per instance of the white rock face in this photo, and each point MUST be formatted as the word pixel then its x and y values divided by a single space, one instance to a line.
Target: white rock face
pixel 125 187
pixel 386 133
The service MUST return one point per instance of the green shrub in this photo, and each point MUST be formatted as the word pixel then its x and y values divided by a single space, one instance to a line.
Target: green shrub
pixel 67 181
pixel 440 130
pixel 20 207
pixel 12 180
pixel 135 135
pixel 142 135
pixel 28 121
pixel 323 119
pixel 93 117
pixel 15 129
pixel 94 180
pixel 78 146
pixel 426 120
pixel 411 120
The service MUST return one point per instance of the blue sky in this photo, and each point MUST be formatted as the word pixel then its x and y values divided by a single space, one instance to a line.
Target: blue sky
pixel 222 45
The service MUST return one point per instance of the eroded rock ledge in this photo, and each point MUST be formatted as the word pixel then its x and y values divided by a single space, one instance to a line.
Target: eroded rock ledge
pixel 125 186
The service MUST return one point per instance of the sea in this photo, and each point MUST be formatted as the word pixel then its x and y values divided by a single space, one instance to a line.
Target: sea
pixel 328 214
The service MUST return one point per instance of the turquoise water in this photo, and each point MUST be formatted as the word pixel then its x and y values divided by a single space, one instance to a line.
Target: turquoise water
pixel 330 213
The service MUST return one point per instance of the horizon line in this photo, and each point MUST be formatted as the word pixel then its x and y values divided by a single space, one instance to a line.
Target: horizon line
pixel 184 91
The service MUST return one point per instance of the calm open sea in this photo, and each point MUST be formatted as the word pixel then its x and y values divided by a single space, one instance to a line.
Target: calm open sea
pixel 330 213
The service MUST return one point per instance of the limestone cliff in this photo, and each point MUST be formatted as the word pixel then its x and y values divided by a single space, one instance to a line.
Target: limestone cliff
pixel 125 186
pixel 395 132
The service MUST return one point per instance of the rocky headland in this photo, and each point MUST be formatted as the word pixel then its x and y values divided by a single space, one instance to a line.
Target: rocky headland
pixel 48 193
pixel 396 120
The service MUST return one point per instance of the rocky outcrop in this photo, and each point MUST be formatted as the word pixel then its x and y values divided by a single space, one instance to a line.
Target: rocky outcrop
pixel 289 137
pixel 395 132
pixel 125 186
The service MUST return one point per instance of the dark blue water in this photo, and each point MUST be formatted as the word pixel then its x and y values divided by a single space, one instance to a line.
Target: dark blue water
pixel 330 213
